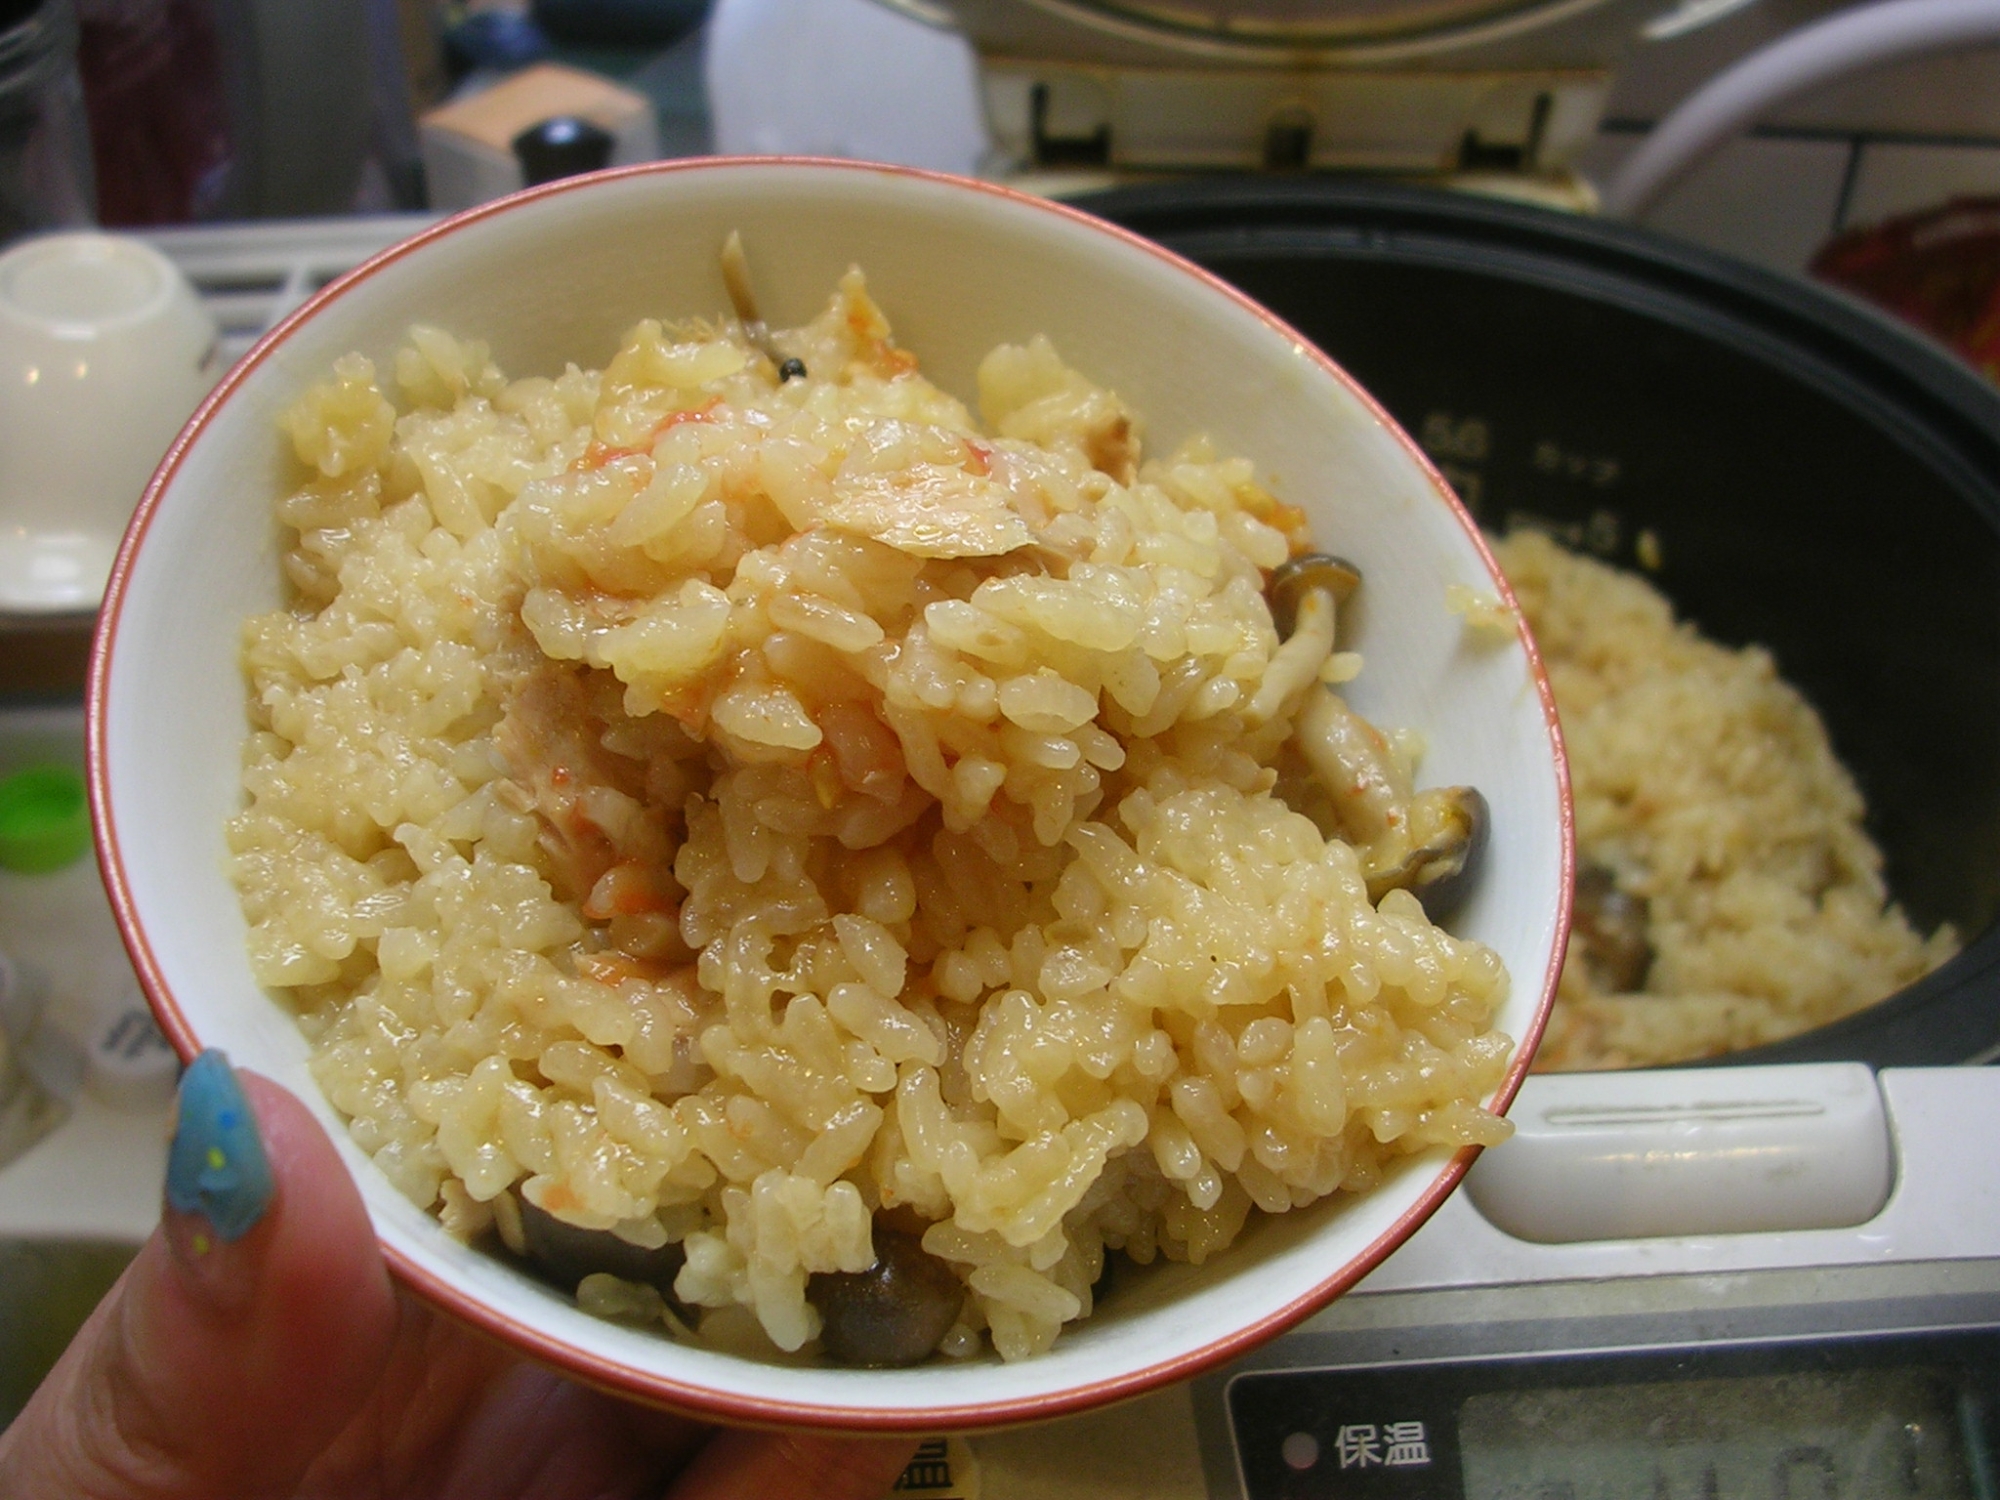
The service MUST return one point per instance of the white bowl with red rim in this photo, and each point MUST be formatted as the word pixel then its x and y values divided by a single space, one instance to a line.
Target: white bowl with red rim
pixel 556 274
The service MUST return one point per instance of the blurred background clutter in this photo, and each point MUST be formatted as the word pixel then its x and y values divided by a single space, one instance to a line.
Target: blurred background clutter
pixel 265 146
pixel 1836 117
pixel 134 113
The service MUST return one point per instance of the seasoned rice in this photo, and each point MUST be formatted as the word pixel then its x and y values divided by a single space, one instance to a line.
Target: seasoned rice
pixel 1706 786
pixel 744 813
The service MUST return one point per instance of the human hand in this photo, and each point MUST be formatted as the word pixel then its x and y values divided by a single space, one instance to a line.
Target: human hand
pixel 257 1347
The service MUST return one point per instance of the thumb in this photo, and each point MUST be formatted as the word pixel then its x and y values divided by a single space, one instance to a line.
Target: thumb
pixel 243 1336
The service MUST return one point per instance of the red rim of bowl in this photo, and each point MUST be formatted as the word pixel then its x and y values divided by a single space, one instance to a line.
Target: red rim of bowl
pixel 643 1385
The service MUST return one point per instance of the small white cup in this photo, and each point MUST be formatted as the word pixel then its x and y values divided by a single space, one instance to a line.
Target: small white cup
pixel 104 351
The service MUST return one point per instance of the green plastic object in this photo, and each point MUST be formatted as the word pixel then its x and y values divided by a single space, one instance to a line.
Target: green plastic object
pixel 44 819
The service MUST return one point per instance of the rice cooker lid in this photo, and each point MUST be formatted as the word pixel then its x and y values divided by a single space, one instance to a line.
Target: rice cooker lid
pixel 1286 33
pixel 1413 87
pixel 1289 25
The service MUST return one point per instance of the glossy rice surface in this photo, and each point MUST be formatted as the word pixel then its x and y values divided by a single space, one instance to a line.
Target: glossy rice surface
pixel 746 813
pixel 1706 785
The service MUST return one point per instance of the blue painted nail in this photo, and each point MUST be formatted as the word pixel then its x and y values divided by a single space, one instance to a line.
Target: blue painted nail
pixel 216 1166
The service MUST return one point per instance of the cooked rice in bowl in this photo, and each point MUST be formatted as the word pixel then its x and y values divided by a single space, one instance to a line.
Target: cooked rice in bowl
pixel 754 817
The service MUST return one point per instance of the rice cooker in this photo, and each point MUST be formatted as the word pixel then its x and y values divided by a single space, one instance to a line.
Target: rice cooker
pixel 1778 1277
pixel 1409 86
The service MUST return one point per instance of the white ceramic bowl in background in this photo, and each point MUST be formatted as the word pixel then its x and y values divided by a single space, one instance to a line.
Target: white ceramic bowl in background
pixel 555 275
pixel 104 350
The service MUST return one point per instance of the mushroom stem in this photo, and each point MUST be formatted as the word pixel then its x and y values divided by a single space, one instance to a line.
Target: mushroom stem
pixel 1428 843
pixel 743 298
pixel 1353 762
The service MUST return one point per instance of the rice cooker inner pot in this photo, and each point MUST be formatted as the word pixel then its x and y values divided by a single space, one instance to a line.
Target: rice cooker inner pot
pixel 1813 478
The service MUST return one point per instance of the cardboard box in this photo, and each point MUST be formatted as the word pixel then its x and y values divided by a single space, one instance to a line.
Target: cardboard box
pixel 468 144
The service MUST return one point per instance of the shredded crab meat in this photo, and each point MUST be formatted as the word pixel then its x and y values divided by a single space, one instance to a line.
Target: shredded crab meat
pixel 932 511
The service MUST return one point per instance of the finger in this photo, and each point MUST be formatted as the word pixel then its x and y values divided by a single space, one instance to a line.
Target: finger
pixel 458 1418
pixel 243 1336
pixel 792 1466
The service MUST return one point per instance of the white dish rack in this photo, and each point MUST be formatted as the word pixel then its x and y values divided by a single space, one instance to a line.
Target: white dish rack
pixel 250 275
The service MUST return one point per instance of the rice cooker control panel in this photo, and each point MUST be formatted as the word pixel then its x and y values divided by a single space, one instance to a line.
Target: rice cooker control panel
pixel 1721 1283
pixel 1894 1415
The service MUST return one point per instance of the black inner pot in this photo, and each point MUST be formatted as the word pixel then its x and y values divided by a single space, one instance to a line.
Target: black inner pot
pixel 1816 479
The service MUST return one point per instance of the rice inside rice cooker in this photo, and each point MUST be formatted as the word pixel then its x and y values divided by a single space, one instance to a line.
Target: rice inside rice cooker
pixel 1729 893
pixel 741 816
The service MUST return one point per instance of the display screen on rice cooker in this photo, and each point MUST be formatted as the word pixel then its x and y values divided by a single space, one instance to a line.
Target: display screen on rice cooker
pixel 1805 1434
pixel 1905 1417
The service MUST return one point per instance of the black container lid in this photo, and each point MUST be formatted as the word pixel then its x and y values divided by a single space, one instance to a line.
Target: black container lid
pixel 561 147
